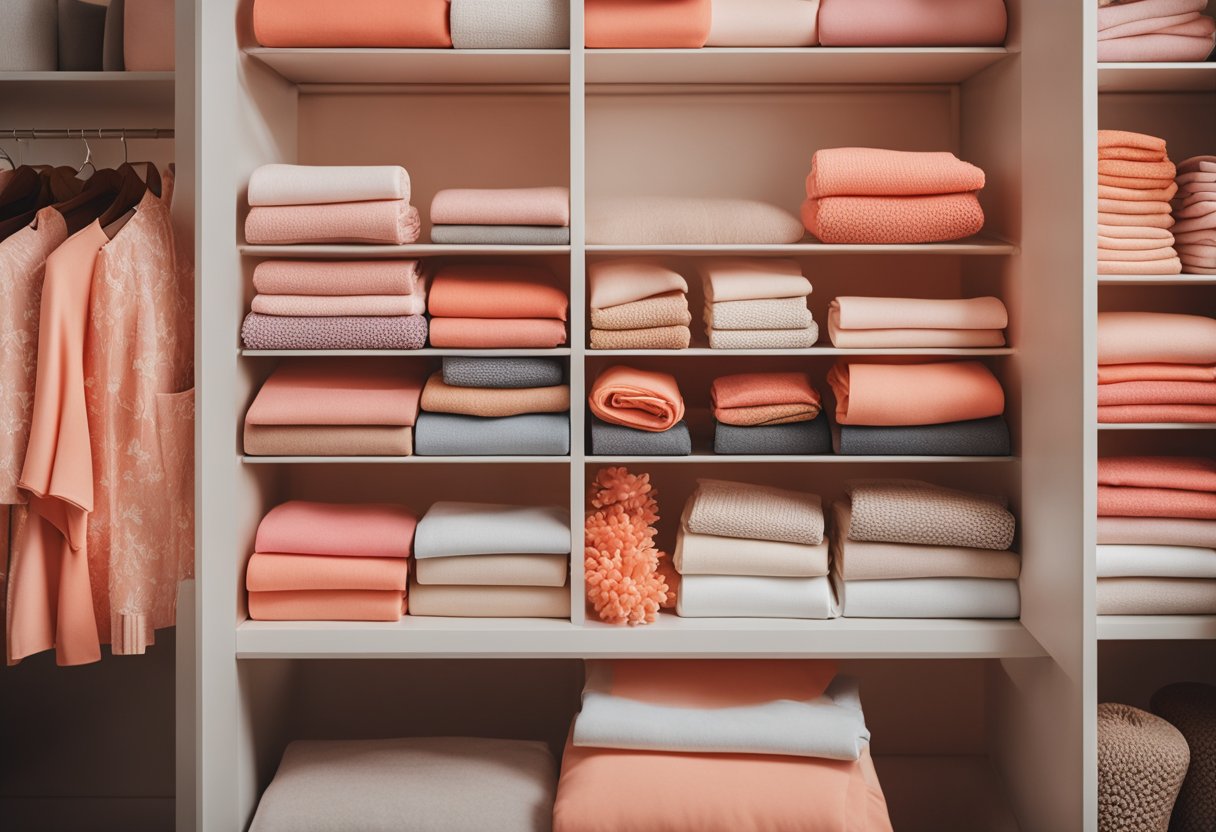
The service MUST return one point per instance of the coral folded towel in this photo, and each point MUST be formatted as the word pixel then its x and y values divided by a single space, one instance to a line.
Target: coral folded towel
pixel 764 399
pixel 647 24
pixel 496 570
pixel 764 23
pixel 354 23
pixel 871 171
pixel 912 23
pixel 469 290
pixel 914 394
pixel 497 333
pixel 331 391
pixel 304 527
pixel 336 277
pixel 279 573
pixel 1156 392
pixel 1176 472
pixel 440 397
pixel 618 282
pixel 1197 207
pixel 277 184
pixel 640 399
pixel 386 222
pixel 501 206
pixel 1155 502
pixel 327 605
pixel 1155 337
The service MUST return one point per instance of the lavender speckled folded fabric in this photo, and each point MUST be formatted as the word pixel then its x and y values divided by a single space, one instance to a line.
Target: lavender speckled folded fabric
pixel 908 511
pixel 273 332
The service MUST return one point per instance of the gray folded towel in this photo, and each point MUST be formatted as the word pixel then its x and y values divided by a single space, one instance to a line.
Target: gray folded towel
pixel 813 437
pixel 500 235
pixel 618 440
pixel 500 373
pixel 977 437
pixel 532 434
pixel 280 332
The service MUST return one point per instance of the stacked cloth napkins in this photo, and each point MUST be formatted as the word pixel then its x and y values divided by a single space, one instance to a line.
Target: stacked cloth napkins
pixel 719 746
pixel 768 413
pixel 484 560
pixel 907 549
pixel 1195 211
pixel 912 23
pixel 410 785
pixel 1156 367
pixel 1135 186
pixel 752 551
pixel 292 204
pixel 330 562
pixel 475 305
pixel 501 216
pixel 757 304
pixel 494 407
pixel 944 408
pixel 1175 575
pixel 637 413
pixel 871 196
pixel 336 407
pixel 637 305
pixel 1155 30
pixel 902 323
pixel 335 305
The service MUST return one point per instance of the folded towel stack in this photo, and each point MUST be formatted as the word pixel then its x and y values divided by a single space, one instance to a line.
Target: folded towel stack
pixel 330 562
pixel 1135 185
pixel 494 407
pixel 637 413
pixel 1195 212
pixel 1163 577
pixel 912 23
pixel 1156 367
pixel 485 560
pixel 501 216
pixel 757 304
pixel 871 196
pixel 637 305
pixel 907 549
pixel 475 306
pixel 330 305
pixel 751 551
pixel 1155 30
pixel 768 413
pixel 906 323
pixel 336 407
pixel 946 408
pixel 292 204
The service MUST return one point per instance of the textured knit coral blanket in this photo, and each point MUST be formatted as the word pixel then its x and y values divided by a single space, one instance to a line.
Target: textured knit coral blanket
pixel 899 394
pixel 764 399
pixel 641 399
pixel 374 391
pixel 754 512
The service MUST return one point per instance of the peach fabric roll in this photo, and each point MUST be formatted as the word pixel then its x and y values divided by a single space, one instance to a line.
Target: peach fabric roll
pixel 387 222
pixel 1188 473
pixel 918 313
pixel 355 23
pixel 893 220
pixel 501 333
pixel 498 291
pixel 647 24
pixel 764 399
pixel 501 206
pixel 914 394
pixel 438 397
pixel 336 277
pixel 874 171
pixel 1157 392
pixel 1165 337
pixel 327 605
pixel 729 279
pixel 281 573
pixel 640 399
pixel 336 391
pixel 305 527
pixel 617 282
pixel 912 23
pixel 762 23
pixel 1115 373
pixel 1151 413
pixel 1155 502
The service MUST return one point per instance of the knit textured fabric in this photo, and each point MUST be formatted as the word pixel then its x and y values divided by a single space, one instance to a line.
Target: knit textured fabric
pixel 498 373
pixel 655 338
pixel 754 512
pixel 1191 708
pixel 907 511
pixel 764 339
pixel 779 313
pixel 276 332
pixel 664 310
pixel 1142 761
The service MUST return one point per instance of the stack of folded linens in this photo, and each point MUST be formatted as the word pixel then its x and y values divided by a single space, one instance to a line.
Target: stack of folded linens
pixel 501 216
pixel 768 413
pixel 694 221
pixel 1156 367
pixel 330 562
pixel 497 306
pixel 335 407
pixel 907 549
pixel 637 305
pixel 643 24
pixel 332 305
pixel 1163 578
pixel 1135 185
pixel 484 560
pixel 871 196
pixel 913 323
pixel 719 746
pixel 493 407
pixel 1155 30
pixel 757 304
pixel 752 551
pixel 1195 212
pixel 354 23
pixel 912 23
pixel 510 24
pixel 637 413
pixel 945 408
pixel 291 204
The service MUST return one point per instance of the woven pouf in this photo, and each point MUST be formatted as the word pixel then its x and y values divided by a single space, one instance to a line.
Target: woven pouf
pixel 1191 708
pixel 1142 761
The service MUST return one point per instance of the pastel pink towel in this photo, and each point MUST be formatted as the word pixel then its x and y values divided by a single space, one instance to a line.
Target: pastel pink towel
pixel 914 394
pixel 304 527
pixel 1120 14
pixel 728 279
pixel 617 282
pixel 1165 337
pixel 337 391
pixel 912 23
pixel 386 222
pixel 764 23
pixel 336 277
pixel 319 184
pixel 1186 473
pixel 319 306
pixel 501 206
pixel 871 171
pixel 918 313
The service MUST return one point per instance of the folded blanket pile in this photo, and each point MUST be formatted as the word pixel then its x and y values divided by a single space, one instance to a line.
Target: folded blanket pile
pixel 1195 213
pixel 946 408
pixel 907 549
pixel 330 562
pixel 474 305
pixel 886 323
pixel 768 413
pixel 637 305
pixel 1156 573
pixel 637 413
pixel 292 204
pixel 1156 367
pixel 757 304
pixel 871 196
pixel 912 23
pixel 485 560
pixel 333 305
pixel 336 407
pixel 501 216
pixel 1155 30
pixel 1135 185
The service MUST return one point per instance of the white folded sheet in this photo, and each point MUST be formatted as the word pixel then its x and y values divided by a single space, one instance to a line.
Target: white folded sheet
pixel 732 596
pixel 454 528
pixel 1156 562
pixel 707 554
pixel 930 598
pixel 326 184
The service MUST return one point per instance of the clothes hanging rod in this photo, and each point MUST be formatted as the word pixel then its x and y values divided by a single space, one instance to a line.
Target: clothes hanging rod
pixel 116 133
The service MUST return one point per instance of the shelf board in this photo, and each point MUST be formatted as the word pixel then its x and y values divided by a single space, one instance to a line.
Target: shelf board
pixel 670 636
pixel 771 458
pixel 812 65
pixel 825 350
pixel 1157 77
pixel 417 66
pixel 1157 426
pixel 1156 627
pixel 92 79
pixel 971 246
pixel 428 351
pixel 361 252
pixel 402 460
pixel 1157 280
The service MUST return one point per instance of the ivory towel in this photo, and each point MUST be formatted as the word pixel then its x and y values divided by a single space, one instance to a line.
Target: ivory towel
pixel 497 333
pixel 337 391
pixel 364 332
pixel 644 24
pixel 1188 473
pixel 278 184
pixel 617 282
pixel 763 23
pixel 673 220
pixel 501 206
pixel 1157 531
pixel 490 601
pixel 336 277
pixel 764 398
pixel 666 310
pixel 914 394
pixel 754 512
pixel 852 312
pixel 474 290
pixel 732 596
pixel 328 440
pixel 529 434
pixel 654 338
pixel 1168 337
pixel 639 399
pixel 510 24
pixel 930 598
pixel 893 220
pixel 327 605
pixel 452 528
pixel 440 397
pixel 307 527
pixel 872 171
pixel 336 306
pixel 501 373
pixel 386 222
pixel 908 511
pixel 785 313
pixel 1156 596
pixel 706 554
pixel 912 23
pixel 278 573
pixel 730 279
pixel 1156 561
pixel 764 339
pixel 495 570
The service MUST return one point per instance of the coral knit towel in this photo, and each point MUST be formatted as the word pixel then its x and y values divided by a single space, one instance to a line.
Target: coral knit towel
pixel 872 171
pixel 893 220
pixel 352 23
pixel 498 291
pixel 640 399
pixel 1125 138
pixel 764 399
pixel 1114 501
pixel 914 394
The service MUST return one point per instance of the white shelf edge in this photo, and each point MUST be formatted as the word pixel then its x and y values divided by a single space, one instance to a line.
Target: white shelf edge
pixel 984 246
pixel 404 460
pixel 1157 426
pixel 369 252
pixel 828 351
pixel 1156 627
pixel 715 459
pixel 560 352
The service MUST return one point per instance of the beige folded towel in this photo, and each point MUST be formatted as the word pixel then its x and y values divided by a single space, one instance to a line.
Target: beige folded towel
pixel 754 512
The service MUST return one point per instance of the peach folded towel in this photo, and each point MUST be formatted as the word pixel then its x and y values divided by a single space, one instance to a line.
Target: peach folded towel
pixel 336 277
pixel 327 605
pixel 305 527
pixel 750 398
pixel 873 171
pixel 320 184
pixel 386 222
pixel 490 601
pixel 500 333
pixel 764 23
pixel 728 279
pixel 1125 232
pixel 647 24
pixel 617 282
pixel 501 206
pixel 336 391
pixel 328 440
pixel 893 220
pixel 1159 46
pixel 912 23
pixel 1115 373
pixel 917 313
pixel 282 573
pixel 1187 473
pixel 1156 267
pixel 1126 138
pixel 318 306
pixel 914 394
pixel 1157 392
pixel 874 339
pixel 1156 596
pixel 1126 206
pixel 639 399
pixel 1150 337
pixel 1155 502
pixel 494 570
pixel 439 397
pixel 1139 194
pixel 750 315
pixel 1152 413
pixel 498 291
pixel 674 220
pixel 1163 170
pixel 660 311
pixel 388 24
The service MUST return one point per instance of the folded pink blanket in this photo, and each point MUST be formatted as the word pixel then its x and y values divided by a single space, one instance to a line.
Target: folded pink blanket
pixel 313 306
pixel 388 222
pixel 1171 265
pixel 1115 373
pixel 304 527
pixel 871 220
pixel 1170 24
pixel 1125 206
pixel 1186 473
pixel 1157 531
pixel 336 277
pixel 1155 337
pixel 872 171
pixel 912 23
pixel 1155 502
pixel 1133 232
pixel 1123 13
pixel 1157 47
pixel 339 391
pixel 1163 171
pixel 1107 244
pixel 729 279
pixel 876 339
pixel 916 313
pixel 1198 164
pixel 617 282
pixel 1108 139
pixel 282 572
pixel 764 23
pixel 1206 222
pixel 319 184
pixel 1137 220
pixel 1137 255
pixel 1157 392
pixel 501 206
pixel 1150 413
pixel 1156 194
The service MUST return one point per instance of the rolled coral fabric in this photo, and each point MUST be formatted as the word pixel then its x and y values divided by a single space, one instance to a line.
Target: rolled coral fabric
pixel 912 23
pixel 440 397
pixel 373 391
pixel 754 512
pixel 501 206
pixel 306 527
pixel 360 23
pixel 1165 337
pixel 387 222
pixel 646 24
pixel 705 554
pixel 639 399
pixel 733 596
pixel 872 171
pixel 898 394
pixel 273 332
pixel 663 220
pixel 893 220
pixel 497 333
pixel 764 23
pixel 618 282
pixel 489 601
pixel 278 184
pixel 730 279
pixel 907 511
pixel 513 24
pixel 495 570
pixel 764 398
pixel 496 291
pixel 318 306
pixel 279 573
pixel 336 277
pixel 1155 502
pixel 327 605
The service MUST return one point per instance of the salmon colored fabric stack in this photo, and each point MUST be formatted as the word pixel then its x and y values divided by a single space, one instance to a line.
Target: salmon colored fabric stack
pixel 637 305
pixel 1155 30
pixel 1195 213
pixel 497 306
pixel 1135 186
pixel 1156 367
pixel 768 413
